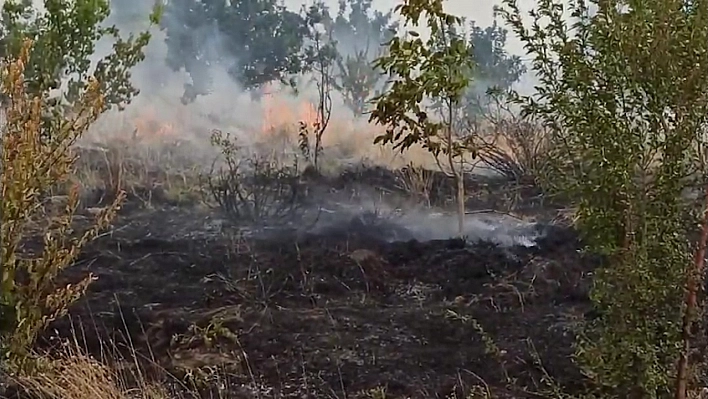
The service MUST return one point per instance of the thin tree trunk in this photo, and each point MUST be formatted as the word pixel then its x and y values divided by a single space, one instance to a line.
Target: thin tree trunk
pixel 694 282
pixel 460 201
pixel 457 173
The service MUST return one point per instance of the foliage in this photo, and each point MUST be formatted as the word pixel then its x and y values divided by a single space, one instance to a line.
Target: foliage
pixel 65 34
pixel 362 34
pixel 255 191
pixel 432 70
pixel 30 298
pixel 356 80
pixel 362 24
pixel 256 41
pixel 495 70
pixel 623 90
pixel 493 63
pixel 421 71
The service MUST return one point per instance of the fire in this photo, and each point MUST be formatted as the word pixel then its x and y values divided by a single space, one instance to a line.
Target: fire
pixel 345 138
pixel 280 116
pixel 149 127
pixel 279 113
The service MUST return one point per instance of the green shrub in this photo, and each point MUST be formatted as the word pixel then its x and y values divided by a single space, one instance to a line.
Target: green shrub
pixel 32 166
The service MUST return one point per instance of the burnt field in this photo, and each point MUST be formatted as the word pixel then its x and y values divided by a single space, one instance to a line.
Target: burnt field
pixel 358 301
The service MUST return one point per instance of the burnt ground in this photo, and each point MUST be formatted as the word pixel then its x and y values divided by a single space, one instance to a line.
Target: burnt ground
pixel 311 315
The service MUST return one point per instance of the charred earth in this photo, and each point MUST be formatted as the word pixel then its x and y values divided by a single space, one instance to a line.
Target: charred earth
pixel 363 300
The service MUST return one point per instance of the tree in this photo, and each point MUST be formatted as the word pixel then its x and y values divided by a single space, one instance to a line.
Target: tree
pixel 130 14
pixel 495 68
pixel 256 41
pixel 321 53
pixel 436 69
pixel 624 92
pixel 362 34
pixel 356 80
pixel 65 34
pixel 503 143
pixel 52 93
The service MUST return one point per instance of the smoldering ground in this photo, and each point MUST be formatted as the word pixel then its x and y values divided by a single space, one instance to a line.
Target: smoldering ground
pixel 346 307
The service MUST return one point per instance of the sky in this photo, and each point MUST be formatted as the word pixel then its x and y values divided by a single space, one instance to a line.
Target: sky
pixel 480 11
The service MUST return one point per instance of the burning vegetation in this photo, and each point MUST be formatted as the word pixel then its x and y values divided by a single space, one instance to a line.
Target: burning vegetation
pixel 320 203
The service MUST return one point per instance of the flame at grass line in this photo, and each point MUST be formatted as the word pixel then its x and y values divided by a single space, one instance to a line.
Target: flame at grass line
pixel 278 114
pixel 346 141
pixel 149 127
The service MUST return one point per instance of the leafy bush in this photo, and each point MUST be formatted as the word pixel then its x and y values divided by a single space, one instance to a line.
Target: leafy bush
pixel 623 90
pixel 435 70
pixel 65 34
pixel 33 166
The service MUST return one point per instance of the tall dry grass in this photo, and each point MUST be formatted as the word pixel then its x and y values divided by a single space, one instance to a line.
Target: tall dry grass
pixel 76 375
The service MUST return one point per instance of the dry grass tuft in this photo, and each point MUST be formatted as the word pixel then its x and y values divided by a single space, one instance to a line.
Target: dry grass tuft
pixel 511 145
pixel 417 181
pixel 148 172
pixel 75 375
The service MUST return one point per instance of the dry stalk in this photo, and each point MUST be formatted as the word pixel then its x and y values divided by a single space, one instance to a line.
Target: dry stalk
pixel 416 181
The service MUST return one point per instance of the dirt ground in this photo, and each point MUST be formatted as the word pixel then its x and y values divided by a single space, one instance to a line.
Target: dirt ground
pixel 339 312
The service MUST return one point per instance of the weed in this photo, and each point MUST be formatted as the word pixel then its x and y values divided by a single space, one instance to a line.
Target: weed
pixel 256 191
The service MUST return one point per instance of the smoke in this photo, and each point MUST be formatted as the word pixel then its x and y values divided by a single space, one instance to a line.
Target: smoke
pixel 228 107
pixel 501 229
pixel 161 89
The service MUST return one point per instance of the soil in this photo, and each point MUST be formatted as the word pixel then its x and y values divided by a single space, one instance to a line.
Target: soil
pixel 335 312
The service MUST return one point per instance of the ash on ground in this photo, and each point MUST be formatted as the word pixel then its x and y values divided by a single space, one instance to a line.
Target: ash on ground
pixel 364 299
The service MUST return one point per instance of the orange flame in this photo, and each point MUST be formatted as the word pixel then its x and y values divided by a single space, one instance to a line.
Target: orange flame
pixel 149 127
pixel 278 113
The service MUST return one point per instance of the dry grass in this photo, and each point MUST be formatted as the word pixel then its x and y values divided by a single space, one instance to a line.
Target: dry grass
pixel 505 144
pixel 510 145
pixel 143 155
pixel 74 375
pixel 68 371
pixel 346 143
pixel 418 182
pixel 145 134
pixel 143 172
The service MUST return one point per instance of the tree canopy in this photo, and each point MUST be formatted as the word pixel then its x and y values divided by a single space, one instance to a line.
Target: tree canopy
pixel 361 34
pixel 256 41
pixel 494 69
pixel 64 38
